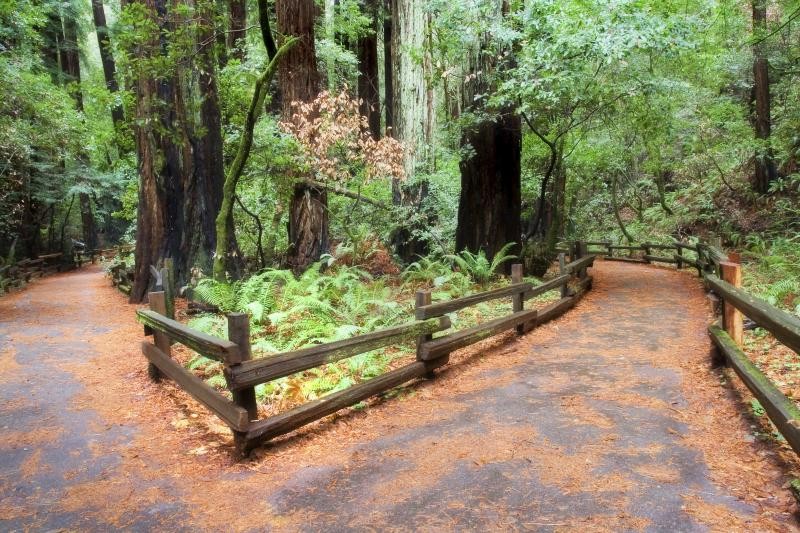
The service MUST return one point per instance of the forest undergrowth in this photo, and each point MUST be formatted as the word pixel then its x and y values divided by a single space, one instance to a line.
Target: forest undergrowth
pixel 337 298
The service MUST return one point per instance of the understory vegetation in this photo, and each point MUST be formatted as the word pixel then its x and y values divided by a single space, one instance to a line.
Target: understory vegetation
pixel 333 300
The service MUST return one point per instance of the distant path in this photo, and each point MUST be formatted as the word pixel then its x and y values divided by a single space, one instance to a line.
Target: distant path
pixel 609 419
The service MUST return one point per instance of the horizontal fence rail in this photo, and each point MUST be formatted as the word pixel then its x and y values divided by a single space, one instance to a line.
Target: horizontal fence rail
pixel 18 274
pixel 785 327
pixel 781 410
pixel 242 373
pixel 204 344
pixel 263 370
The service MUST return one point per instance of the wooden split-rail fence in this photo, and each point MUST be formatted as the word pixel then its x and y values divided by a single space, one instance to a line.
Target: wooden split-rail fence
pixel 18 274
pixel 22 272
pixel 722 273
pixel 243 373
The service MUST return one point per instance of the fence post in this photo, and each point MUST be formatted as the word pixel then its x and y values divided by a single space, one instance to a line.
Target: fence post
pixel 703 259
pixel 518 303
pixel 424 298
pixel 679 257
pixel 562 263
pixel 168 282
pixel 647 251
pixel 732 317
pixel 583 251
pixel 239 333
pixel 158 304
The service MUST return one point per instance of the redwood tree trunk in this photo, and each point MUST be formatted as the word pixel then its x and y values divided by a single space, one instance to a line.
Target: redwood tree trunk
pixel 489 205
pixel 765 170
pixel 203 187
pixel 388 66
pixel 236 32
pixel 70 58
pixel 70 63
pixel 179 167
pixel 368 72
pixel 299 82
pixel 106 57
pixel 308 226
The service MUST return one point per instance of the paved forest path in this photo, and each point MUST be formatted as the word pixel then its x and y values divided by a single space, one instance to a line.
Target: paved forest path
pixel 608 419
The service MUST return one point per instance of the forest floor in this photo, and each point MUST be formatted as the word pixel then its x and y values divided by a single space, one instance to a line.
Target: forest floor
pixel 610 418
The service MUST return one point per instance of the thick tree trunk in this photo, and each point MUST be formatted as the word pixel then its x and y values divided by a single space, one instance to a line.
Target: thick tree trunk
pixel 297 73
pixel 412 120
pixel 308 226
pixel 106 57
pixel 70 58
pixel 165 164
pixel 237 33
pixel 388 68
pixel 70 62
pixel 413 123
pixel 151 214
pixel 299 82
pixel 489 205
pixel 203 188
pixel 765 170
pixel 368 72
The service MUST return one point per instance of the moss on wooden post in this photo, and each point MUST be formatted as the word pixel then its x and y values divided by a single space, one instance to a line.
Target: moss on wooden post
pixel 158 303
pixel 517 301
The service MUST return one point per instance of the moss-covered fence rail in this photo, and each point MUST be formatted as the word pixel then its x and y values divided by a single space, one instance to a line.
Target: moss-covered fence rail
pixel 17 275
pixel 722 274
pixel 243 373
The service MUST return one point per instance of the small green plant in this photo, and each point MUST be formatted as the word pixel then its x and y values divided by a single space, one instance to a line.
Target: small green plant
pixel 478 267
pixel 757 408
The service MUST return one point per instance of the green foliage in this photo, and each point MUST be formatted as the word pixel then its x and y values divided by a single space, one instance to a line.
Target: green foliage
pixel 757 408
pixel 478 267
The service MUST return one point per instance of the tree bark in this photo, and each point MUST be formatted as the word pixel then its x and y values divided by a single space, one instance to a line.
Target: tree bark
pixel 308 226
pixel 70 63
pixel 368 72
pixel 299 82
pixel 203 187
pixel 179 159
pixel 70 58
pixel 490 203
pixel 237 11
pixel 412 121
pixel 765 170
pixel 106 57
pixel 388 70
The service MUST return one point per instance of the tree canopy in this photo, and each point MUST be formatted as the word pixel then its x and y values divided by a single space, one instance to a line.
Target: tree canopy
pixel 422 127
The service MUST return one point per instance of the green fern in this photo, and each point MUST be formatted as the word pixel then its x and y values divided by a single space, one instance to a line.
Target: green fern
pixel 478 267
pixel 222 295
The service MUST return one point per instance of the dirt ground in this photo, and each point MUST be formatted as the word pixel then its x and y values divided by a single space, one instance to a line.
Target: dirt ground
pixel 608 419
